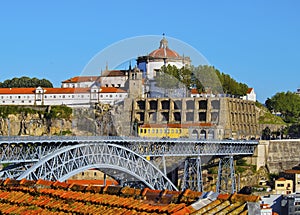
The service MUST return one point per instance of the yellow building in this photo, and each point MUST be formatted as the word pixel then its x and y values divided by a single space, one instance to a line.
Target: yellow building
pixel 169 130
pixel 283 186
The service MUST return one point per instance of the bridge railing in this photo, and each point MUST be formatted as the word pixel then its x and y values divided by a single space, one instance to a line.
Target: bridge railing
pixel 18 139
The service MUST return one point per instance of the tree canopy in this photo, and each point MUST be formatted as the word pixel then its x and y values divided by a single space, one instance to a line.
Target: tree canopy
pixel 287 103
pixel 25 82
pixel 203 78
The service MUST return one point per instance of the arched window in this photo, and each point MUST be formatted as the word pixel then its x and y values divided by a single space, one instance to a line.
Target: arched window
pixel 202 134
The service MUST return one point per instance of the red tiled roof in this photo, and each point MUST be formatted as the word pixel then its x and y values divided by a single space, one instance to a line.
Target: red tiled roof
pixel 113 73
pixel 17 90
pixel 92 182
pixel 164 53
pixel 292 171
pixel 27 198
pixel 78 79
pixel 194 91
pixel 281 179
pixel 111 90
pixel 249 90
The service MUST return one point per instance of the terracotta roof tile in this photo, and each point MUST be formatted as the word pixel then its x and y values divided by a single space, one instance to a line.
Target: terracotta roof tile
pixel 113 73
pixel 249 90
pixel 281 179
pixel 164 53
pixel 292 171
pixel 78 79
pixel 63 199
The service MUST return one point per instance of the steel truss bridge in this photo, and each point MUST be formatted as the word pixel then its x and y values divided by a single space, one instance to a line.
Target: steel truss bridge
pixel 123 158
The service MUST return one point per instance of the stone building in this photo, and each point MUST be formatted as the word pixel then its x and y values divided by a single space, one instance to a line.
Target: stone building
pixel 227 117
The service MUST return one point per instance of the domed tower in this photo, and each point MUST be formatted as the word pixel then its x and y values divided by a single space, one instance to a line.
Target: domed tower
pixel 152 63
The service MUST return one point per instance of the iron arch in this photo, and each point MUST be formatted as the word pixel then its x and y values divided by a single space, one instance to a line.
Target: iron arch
pixel 70 159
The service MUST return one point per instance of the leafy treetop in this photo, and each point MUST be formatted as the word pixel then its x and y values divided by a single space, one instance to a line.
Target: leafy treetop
pixel 25 82
pixel 287 103
pixel 203 78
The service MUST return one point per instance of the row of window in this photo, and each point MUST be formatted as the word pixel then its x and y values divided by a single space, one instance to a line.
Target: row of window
pixel 159 131
pixel 14 101
pixel 62 96
pixel 17 97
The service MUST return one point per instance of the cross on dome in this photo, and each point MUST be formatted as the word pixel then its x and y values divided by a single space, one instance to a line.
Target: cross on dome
pixel 163 42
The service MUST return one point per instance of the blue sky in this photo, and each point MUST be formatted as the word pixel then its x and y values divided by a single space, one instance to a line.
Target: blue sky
pixel 256 42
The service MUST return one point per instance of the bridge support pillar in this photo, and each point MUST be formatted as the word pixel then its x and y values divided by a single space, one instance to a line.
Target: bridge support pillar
pixel 173 176
pixel 192 176
pixel 226 178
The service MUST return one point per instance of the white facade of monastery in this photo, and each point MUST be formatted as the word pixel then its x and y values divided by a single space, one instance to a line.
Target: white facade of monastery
pixel 73 97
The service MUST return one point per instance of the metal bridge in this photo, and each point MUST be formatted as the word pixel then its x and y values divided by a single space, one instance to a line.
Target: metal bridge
pixel 123 158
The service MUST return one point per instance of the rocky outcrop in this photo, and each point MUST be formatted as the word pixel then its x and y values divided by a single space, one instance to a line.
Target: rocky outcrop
pixel 33 125
pixel 85 121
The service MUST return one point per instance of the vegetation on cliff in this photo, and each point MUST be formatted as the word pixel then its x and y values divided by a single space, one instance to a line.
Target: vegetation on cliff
pixel 55 112
pixel 12 109
pixel 59 112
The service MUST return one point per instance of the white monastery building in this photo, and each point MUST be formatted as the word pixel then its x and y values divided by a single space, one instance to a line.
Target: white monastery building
pixel 163 56
pixel 110 87
pixel 73 97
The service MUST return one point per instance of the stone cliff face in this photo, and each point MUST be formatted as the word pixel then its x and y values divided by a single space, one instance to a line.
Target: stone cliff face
pixel 33 125
pixel 88 121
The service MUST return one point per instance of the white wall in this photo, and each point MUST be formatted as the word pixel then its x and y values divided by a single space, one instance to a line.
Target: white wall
pixel 118 81
pixel 156 65
pixel 69 99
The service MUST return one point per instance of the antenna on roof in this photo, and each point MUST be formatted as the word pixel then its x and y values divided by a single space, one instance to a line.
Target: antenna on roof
pixel 106 66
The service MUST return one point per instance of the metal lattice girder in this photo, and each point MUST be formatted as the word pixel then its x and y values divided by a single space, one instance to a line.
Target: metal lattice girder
pixel 32 149
pixel 70 160
pixel 14 170
pixel 226 178
pixel 192 177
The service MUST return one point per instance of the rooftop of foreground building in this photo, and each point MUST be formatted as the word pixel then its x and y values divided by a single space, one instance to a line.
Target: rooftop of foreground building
pixel 47 197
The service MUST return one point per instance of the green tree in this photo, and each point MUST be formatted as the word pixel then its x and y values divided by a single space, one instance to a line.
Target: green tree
pixel 203 78
pixel 287 103
pixel 25 82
